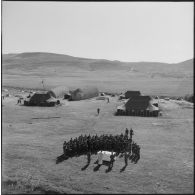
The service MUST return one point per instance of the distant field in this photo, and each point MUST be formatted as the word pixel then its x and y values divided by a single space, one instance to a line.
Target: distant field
pixel 30 147
pixel 112 82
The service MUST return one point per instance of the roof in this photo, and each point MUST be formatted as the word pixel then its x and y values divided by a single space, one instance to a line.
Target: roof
pixel 138 103
pixel 129 94
pixel 39 97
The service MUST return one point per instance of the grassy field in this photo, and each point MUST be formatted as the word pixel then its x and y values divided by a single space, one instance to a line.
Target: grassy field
pixel 111 82
pixel 30 147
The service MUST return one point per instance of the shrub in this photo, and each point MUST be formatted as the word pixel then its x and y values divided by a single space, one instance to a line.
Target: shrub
pixel 189 98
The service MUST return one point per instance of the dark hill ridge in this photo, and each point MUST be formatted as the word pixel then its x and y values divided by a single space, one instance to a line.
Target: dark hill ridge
pixel 35 60
pixel 38 59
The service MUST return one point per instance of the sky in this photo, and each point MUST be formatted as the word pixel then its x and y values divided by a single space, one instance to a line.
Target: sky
pixel 124 31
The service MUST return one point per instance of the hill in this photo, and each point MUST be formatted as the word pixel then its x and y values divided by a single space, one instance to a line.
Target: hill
pixel 35 60
pixel 28 69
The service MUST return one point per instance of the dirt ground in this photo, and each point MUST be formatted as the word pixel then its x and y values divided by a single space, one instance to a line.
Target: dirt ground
pixel 30 147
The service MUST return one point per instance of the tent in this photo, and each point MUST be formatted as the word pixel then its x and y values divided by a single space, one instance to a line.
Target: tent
pixel 139 106
pixel 40 99
pixel 130 94
pixel 84 93
pixel 59 92
pixel 138 103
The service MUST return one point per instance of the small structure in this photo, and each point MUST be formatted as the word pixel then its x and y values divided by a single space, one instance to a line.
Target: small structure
pixel 130 94
pixel 84 93
pixel 41 99
pixel 138 106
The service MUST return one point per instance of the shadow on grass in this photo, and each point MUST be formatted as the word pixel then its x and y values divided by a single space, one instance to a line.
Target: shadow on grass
pixel 104 162
pixel 108 170
pixel 61 158
pixel 123 168
pixel 83 168
pixel 97 168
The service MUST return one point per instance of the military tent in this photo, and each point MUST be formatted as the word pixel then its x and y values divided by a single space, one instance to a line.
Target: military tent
pixel 130 94
pixel 39 99
pixel 139 106
pixel 59 92
pixel 84 93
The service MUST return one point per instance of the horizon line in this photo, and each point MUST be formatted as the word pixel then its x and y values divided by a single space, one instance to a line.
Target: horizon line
pixel 98 58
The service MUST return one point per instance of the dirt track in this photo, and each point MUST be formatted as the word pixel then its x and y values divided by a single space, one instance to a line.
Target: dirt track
pixel 30 147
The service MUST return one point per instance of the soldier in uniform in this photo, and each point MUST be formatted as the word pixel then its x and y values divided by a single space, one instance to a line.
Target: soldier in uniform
pixel 98 111
pixel 111 160
pixel 132 151
pixel 138 153
pixel 64 147
pixel 126 159
pixel 126 133
pixel 131 133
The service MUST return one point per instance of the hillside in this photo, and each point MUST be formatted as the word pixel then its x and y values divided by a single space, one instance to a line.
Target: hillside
pixel 30 61
pixel 28 69
pixel 35 60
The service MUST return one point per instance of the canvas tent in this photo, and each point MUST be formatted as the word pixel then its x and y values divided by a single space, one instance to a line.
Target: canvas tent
pixel 40 99
pixel 84 93
pixel 59 92
pixel 130 94
pixel 139 106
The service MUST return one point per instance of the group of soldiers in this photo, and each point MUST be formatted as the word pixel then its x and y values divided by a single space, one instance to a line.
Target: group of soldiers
pixel 122 145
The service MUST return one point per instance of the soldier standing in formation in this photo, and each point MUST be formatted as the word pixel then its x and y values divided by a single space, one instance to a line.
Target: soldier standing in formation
pixel 112 160
pixel 126 159
pixel 131 133
pixel 88 145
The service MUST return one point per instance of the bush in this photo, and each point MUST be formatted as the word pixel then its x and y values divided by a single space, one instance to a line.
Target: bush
pixel 189 98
